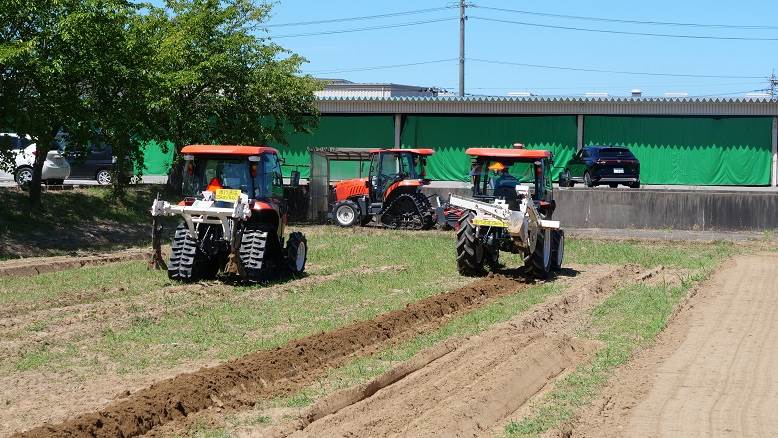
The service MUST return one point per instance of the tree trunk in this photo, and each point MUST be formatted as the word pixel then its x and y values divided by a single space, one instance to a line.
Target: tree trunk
pixel 42 148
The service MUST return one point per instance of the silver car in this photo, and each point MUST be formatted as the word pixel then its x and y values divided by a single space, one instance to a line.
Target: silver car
pixel 55 169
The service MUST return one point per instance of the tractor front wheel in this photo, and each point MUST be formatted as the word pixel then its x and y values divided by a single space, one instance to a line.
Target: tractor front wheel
pixel 296 253
pixel 470 249
pixel 346 213
pixel 539 263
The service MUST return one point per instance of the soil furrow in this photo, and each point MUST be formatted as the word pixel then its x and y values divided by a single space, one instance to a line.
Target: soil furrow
pixel 466 391
pixel 268 373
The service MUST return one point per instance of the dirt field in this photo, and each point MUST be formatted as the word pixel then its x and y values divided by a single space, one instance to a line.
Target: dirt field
pixel 356 347
pixel 712 373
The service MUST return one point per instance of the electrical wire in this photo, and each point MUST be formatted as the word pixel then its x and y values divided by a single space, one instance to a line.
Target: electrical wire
pixel 365 17
pixel 593 70
pixel 361 29
pixel 381 67
pixel 619 20
pixel 620 32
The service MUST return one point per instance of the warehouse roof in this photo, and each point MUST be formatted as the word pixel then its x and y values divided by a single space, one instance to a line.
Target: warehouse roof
pixel 709 106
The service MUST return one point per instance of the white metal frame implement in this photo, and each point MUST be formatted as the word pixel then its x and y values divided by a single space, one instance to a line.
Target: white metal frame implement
pixel 519 223
pixel 203 212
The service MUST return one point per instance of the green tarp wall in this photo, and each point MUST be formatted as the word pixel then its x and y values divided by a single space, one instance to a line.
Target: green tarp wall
pixel 156 160
pixel 451 135
pixel 690 150
pixel 342 131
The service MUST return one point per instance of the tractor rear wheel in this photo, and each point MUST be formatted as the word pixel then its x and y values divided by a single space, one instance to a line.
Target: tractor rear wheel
pixel 346 213
pixel 470 249
pixel 557 249
pixel 186 261
pixel 296 253
pixel 539 263
pixel 255 254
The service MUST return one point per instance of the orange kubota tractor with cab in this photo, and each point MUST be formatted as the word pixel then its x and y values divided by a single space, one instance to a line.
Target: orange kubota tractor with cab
pixel 233 217
pixel 510 210
pixel 391 194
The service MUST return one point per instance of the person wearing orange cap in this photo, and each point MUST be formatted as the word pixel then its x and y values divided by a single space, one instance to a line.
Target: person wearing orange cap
pixel 504 183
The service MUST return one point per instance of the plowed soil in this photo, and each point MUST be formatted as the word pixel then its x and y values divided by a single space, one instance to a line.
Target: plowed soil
pixel 711 373
pixel 466 389
pixel 279 371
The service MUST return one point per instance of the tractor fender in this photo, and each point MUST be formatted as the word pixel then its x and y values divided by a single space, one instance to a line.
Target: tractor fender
pixel 403 186
pixel 268 213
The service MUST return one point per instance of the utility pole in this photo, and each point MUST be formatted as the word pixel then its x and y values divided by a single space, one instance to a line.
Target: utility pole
pixel 462 19
pixel 773 85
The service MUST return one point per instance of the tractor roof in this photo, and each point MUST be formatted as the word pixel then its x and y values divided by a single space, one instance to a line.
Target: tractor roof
pixel 526 154
pixel 425 152
pixel 244 151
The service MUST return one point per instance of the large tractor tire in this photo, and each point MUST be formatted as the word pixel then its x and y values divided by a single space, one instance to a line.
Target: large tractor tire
pixel 255 254
pixel 296 253
pixel 557 249
pixel 539 263
pixel 346 213
pixel 470 249
pixel 410 211
pixel 186 261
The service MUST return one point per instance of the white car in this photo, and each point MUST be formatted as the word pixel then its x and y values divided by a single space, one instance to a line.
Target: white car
pixel 55 169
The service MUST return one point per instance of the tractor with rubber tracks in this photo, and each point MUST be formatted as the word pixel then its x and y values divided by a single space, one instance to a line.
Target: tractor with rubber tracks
pixel 390 194
pixel 511 210
pixel 233 217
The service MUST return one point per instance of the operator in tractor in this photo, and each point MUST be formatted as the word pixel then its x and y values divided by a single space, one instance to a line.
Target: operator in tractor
pixel 503 182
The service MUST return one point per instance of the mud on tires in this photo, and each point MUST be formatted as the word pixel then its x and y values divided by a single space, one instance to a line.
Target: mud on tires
pixel 296 253
pixel 470 250
pixel 539 263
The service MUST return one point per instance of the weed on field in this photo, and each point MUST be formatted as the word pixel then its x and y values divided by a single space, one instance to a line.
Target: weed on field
pixel 627 321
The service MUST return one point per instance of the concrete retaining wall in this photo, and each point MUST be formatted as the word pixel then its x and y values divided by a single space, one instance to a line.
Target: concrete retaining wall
pixel 661 209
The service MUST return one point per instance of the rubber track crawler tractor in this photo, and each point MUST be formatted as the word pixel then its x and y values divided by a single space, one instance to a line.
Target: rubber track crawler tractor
pixel 391 194
pixel 510 210
pixel 233 217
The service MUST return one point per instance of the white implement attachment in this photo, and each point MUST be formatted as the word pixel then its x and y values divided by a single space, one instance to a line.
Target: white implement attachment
pixel 523 224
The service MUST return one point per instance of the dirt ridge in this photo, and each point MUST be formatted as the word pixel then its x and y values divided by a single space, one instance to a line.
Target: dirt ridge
pixel 241 381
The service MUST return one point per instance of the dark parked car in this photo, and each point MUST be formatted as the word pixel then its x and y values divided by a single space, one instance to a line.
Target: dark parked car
pixel 96 162
pixel 600 165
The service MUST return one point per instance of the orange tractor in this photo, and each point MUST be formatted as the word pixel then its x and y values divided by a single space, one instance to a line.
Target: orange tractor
pixel 233 217
pixel 391 194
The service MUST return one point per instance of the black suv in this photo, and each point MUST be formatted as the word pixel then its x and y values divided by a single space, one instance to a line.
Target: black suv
pixel 599 165
pixel 96 162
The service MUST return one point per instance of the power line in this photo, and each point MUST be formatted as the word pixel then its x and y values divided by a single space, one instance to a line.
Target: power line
pixel 619 20
pixel 361 29
pixel 381 67
pixel 593 70
pixel 583 29
pixel 610 86
pixel 365 17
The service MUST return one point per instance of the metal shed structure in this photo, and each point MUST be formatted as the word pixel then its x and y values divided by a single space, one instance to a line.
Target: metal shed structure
pixel 322 160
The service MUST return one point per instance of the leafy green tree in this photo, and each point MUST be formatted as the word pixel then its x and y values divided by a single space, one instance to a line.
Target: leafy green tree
pixel 42 69
pixel 221 83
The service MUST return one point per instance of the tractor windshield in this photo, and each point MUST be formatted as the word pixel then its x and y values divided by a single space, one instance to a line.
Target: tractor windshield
pixel 257 179
pixel 499 178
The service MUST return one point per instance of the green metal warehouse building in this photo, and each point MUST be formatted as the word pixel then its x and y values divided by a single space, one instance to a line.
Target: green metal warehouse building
pixel 694 141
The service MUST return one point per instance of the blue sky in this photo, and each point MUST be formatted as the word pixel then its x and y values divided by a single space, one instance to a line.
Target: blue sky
pixel 541 46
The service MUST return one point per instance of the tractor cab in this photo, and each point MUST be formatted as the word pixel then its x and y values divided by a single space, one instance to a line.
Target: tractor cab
pixel 228 172
pixel 393 168
pixel 511 174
